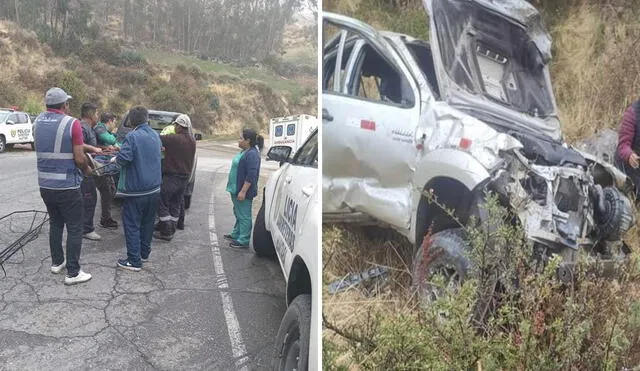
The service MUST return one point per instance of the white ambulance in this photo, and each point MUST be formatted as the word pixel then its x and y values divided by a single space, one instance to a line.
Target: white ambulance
pixel 291 131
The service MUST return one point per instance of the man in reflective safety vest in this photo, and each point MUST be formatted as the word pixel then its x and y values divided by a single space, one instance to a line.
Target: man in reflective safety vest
pixel 61 162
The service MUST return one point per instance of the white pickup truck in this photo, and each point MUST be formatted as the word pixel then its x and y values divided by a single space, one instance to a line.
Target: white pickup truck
pixel 470 111
pixel 287 226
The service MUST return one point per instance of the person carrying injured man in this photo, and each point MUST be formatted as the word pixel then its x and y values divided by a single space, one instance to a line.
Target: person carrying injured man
pixel 179 153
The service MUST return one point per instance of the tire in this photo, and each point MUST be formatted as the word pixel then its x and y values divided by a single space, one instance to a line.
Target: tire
pixel 616 215
pixel 262 241
pixel 3 143
pixel 292 342
pixel 33 146
pixel 445 255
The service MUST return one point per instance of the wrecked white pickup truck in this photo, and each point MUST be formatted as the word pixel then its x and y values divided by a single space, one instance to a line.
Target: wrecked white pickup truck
pixel 472 110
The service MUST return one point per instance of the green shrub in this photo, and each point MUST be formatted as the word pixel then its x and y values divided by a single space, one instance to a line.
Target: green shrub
pixel 70 82
pixel 34 107
pixel 536 322
pixel 131 58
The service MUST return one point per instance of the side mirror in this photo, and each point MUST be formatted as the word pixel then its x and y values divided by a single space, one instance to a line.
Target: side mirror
pixel 198 136
pixel 10 122
pixel 279 154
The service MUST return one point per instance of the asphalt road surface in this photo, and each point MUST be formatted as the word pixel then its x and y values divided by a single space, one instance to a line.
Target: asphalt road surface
pixel 197 304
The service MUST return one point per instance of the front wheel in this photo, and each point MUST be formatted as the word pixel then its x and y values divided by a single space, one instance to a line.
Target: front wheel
pixel 3 143
pixel 292 342
pixel 444 254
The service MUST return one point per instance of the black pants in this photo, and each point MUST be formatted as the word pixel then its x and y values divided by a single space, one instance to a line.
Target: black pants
pixel 171 201
pixel 107 188
pixel 89 199
pixel 65 208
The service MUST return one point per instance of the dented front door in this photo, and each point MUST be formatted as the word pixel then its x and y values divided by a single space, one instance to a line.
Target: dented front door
pixel 371 110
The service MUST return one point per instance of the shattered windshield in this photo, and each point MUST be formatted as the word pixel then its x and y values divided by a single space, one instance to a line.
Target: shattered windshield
pixel 486 54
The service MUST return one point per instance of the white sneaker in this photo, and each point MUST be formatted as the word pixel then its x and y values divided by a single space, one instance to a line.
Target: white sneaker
pixel 55 269
pixel 93 236
pixel 80 278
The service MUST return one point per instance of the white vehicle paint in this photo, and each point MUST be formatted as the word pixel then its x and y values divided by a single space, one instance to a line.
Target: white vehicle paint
pixel 287 227
pixel 15 128
pixel 291 131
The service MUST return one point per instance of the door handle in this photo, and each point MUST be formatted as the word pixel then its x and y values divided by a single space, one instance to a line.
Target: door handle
pixel 326 115
pixel 307 191
pixel 288 179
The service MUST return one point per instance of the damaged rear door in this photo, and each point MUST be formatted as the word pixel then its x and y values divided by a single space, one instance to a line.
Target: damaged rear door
pixel 371 111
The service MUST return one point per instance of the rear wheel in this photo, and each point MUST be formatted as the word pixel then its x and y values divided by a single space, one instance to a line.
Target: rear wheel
pixel 262 241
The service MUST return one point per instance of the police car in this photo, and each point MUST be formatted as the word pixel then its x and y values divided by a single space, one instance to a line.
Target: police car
pixel 15 128
pixel 286 227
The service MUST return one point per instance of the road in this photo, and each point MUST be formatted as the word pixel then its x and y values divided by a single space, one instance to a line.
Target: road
pixel 197 304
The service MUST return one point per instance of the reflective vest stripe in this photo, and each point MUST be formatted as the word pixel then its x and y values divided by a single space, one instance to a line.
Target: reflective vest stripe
pixel 56 156
pixel 63 125
pixel 52 176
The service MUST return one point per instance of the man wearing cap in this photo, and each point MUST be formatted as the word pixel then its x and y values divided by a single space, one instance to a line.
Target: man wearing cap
pixel 61 162
pixel 179 150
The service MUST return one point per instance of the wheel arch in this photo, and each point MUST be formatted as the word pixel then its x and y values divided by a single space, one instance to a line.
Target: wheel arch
pixel 299 281
pixel 454 177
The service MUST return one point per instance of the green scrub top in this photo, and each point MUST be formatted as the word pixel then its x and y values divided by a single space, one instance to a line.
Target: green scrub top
pixel 232 187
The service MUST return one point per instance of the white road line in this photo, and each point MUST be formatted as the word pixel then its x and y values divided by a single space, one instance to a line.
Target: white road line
pixel 233 327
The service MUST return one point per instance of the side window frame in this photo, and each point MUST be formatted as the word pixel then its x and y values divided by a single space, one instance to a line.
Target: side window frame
pixel 314 155
pixel 356 68
pixel 359 41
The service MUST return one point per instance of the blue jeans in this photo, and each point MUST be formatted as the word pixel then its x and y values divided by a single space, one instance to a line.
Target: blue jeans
pixel 65 208
pixel 138 217
pixel 89 199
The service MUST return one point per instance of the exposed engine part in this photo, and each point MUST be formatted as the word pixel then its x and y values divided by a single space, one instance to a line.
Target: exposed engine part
pixel 567 195
pixel 615 216
pixel 536 186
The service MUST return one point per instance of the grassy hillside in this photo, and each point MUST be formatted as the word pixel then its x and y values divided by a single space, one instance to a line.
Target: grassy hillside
pixel 220 97
pixel 594 326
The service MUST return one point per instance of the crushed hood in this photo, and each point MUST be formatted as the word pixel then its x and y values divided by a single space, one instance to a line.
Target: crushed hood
pixel 493 56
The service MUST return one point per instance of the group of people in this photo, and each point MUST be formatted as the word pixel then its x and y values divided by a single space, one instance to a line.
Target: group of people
pixel 149 186
pixel 154 173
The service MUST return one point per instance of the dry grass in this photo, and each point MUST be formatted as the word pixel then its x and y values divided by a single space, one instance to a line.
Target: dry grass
pixel 596 69
pixel 352 250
